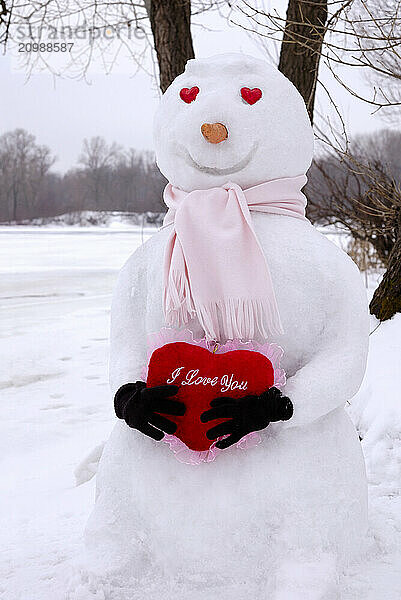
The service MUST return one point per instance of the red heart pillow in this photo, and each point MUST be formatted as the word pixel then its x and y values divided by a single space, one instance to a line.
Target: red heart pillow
pixel 202 376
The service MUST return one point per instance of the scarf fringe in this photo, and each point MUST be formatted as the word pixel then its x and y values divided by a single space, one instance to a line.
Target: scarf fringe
pixel 238 318
pixel 179 307
pixel 232 318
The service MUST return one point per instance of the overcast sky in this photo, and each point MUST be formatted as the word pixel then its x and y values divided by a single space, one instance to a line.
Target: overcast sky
pixel 120 106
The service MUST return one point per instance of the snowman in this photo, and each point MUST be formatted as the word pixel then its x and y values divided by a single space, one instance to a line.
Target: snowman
pixel 236 258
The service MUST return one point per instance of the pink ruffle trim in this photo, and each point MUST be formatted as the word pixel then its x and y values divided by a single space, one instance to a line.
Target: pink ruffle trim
pixel 168 335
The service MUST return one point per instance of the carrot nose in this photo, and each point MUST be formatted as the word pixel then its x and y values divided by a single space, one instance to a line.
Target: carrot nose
pixel 214 132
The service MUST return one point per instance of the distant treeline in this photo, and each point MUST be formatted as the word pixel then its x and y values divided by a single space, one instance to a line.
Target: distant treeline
pixel 107 177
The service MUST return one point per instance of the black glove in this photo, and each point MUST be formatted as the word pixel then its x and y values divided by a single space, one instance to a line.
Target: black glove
pixel 139 407
pixel 247 414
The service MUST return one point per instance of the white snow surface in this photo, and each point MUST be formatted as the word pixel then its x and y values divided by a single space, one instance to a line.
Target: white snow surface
pixel 56 412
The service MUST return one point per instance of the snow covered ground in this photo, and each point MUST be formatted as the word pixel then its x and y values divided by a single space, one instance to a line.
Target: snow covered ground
pixel 55 406
pixel 56 412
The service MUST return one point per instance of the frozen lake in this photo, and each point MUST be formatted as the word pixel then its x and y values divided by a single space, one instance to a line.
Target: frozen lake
pixel 47 273
pixel 55 296
pixel 56 409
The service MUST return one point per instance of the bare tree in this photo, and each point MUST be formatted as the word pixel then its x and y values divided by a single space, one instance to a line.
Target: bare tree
pixel 171 27
pixel 104 31
pixel 5 19
pixel 357 191
pixel 23 167
pixel 386 301
pixel 302 42
pixel 353 33
pixel 373 28
pixel 98 159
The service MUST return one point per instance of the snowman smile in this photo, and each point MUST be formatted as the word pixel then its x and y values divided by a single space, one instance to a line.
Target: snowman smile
pixel 225 171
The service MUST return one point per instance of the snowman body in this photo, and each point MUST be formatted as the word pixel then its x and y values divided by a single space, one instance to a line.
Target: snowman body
pixel 299 497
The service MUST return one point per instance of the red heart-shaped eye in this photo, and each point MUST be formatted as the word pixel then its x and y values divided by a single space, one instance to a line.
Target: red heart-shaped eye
pixel 251 96
pixel 189 94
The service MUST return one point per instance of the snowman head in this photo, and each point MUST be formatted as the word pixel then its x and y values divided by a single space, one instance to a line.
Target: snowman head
pixel 233 118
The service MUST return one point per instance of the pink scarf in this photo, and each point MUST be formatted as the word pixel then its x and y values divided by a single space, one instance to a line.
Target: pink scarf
pixel 214 266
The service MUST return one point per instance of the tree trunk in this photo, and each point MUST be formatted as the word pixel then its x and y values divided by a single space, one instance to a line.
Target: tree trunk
pixel 15 202
pixel 171 27
pixel 301 46
pixel 386 301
